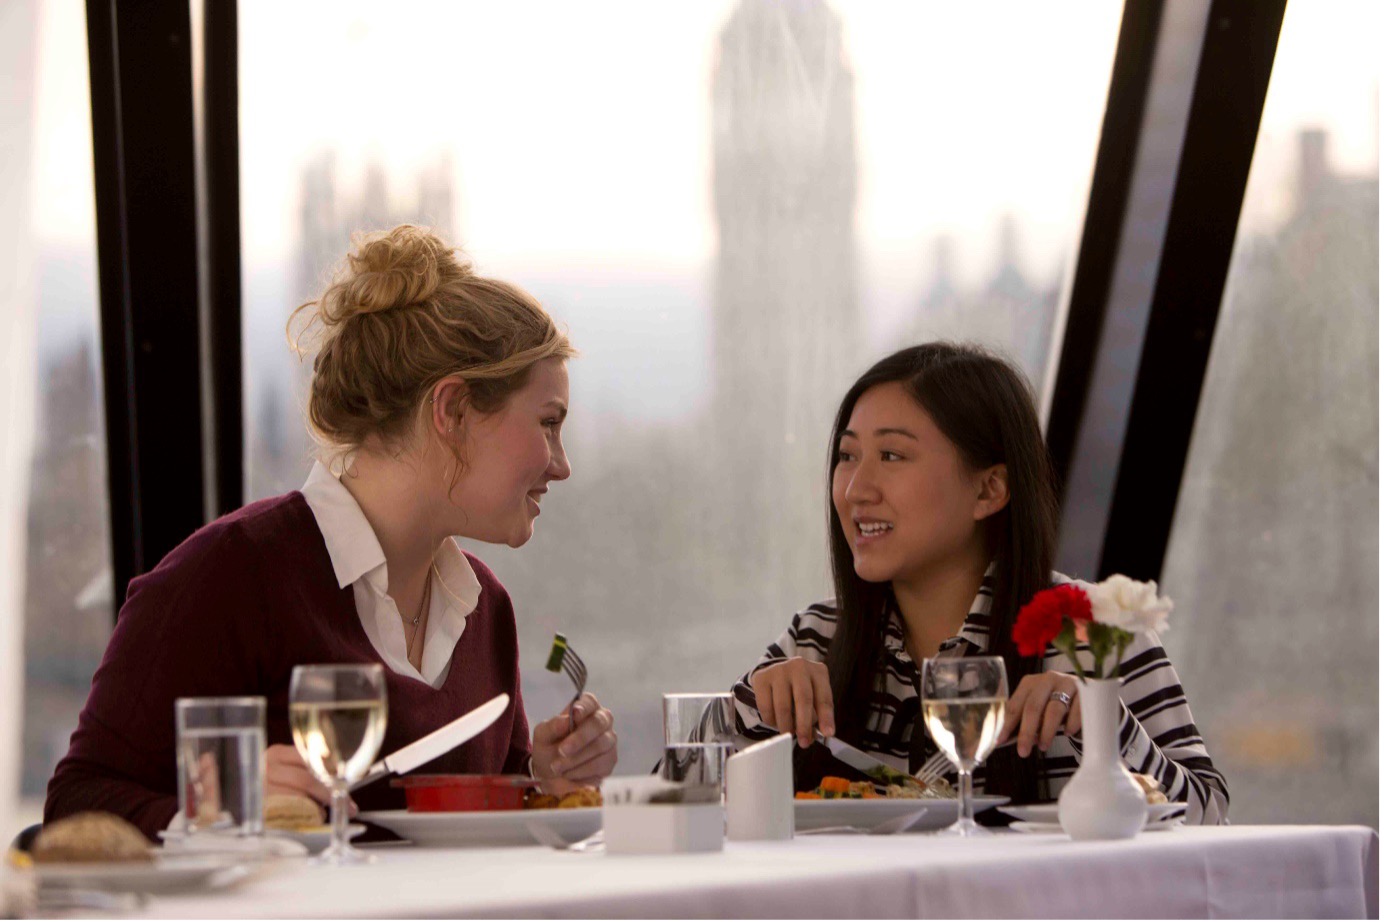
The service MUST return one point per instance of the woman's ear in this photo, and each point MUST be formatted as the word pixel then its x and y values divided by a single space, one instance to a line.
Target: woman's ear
pixel 447 406
pixel 992 494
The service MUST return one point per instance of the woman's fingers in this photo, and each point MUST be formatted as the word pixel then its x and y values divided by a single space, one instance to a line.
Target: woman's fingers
pixel 285 772
pixel 803 711
pixel 783 703
pixel 821 701
pixel 596 760
pixel 1074 716
pixel 1031 718
pixel 1013 710
pixel 593 736
pixel 1035 717
pixel 795 697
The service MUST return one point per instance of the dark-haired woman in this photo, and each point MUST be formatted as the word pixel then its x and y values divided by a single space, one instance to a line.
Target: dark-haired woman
pixel 943 524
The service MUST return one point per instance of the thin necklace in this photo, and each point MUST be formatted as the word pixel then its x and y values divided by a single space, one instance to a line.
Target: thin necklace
pixel 422 603
pixel 422 608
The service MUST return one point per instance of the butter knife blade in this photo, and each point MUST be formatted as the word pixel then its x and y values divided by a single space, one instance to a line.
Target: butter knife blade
pixel 845 752
pixel 440 741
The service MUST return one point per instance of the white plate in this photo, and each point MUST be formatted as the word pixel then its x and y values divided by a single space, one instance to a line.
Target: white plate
pixel 1055 829
pixel 165 874
pixel 1046 814
pixel 819 814
pixel 316 838
pixel 483 829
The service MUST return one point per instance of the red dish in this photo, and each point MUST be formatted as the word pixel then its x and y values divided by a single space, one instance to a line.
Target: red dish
pixel 455 793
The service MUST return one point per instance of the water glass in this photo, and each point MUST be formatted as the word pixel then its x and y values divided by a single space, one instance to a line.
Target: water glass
pixel 338 716
pixel 221 764
pixel 963 707
pixel 698 736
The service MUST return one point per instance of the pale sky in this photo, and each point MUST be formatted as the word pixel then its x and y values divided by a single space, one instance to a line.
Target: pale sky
pixel 581 131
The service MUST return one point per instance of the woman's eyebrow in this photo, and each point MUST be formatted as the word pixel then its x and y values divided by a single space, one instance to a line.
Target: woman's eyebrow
pixel 894 431
pixel 561 407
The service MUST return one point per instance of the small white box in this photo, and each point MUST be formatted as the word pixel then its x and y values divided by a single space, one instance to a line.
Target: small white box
pixel 663 829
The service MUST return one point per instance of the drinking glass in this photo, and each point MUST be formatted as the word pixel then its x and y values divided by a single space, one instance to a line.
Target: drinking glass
pixel 221 765
pixel 338 716
pixel 698 735
pixel 963 707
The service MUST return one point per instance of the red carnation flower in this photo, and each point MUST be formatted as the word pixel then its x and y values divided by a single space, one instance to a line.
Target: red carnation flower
pixel 1040 621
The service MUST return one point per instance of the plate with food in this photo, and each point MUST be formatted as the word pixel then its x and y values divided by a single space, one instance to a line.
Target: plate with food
pixel 486 811
pixel 864 804
pixel 100 851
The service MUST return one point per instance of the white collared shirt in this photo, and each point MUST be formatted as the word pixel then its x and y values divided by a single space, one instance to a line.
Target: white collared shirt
pixel 358 561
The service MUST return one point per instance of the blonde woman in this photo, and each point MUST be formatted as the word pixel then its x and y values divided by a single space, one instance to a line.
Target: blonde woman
pixel 438 398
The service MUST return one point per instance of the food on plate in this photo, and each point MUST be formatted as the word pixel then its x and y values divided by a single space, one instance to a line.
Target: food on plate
pixel 1153 792
pixel 581 797
pixel 292 812
pixel 908 788
pixel 90 837
pixel 537 800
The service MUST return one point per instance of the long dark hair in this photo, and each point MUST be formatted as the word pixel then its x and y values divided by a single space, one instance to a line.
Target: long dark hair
pixel 984 407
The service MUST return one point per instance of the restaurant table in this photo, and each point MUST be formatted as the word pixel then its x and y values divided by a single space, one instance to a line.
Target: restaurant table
pixel 1207 872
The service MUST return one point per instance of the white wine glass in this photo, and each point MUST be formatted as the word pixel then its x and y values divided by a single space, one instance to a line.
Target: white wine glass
pixel 963 707
pixel 338 715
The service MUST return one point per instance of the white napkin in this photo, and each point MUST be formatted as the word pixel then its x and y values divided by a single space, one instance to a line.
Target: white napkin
pixel 759 791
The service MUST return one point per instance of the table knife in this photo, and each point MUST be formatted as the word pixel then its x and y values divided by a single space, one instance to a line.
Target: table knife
pixel 440 741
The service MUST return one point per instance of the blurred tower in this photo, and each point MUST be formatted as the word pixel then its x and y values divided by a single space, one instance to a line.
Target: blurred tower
pixel 435 197
pixel 787 330
pixel 321 238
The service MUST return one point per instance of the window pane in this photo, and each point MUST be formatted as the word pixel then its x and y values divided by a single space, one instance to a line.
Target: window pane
pixel 66 573
pixel 734 206
pixel 1274 552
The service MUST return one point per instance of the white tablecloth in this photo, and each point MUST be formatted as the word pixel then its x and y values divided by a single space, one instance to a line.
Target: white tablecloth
pixel 1241 871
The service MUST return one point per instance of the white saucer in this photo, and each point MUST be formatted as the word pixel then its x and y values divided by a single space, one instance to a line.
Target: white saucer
pixel 1046 814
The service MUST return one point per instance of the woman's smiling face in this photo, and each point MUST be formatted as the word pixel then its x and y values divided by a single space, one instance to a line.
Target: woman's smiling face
pixel 906 498
pixel 511 457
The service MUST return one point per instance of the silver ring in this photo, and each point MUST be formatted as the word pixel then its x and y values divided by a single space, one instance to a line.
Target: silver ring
pixel 1063 698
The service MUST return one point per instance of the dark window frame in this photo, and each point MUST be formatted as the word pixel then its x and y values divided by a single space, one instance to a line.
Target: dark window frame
pixel 1154 436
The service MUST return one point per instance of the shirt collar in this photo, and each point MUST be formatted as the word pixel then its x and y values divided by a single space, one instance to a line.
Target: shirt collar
pixel 351 542
pixel 355 551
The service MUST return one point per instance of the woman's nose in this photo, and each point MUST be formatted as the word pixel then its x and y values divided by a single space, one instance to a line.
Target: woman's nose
pixel 559 468
pixel 862 487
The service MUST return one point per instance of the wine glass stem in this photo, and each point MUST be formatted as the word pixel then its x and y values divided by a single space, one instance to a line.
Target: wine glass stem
pixel 967 813
pixel 340 817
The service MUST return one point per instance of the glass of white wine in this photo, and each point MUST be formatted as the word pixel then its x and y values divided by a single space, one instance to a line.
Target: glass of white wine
pixel 338 717
pixel 963 707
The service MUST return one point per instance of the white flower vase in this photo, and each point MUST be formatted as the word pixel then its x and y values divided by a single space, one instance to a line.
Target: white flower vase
pixel 1102 800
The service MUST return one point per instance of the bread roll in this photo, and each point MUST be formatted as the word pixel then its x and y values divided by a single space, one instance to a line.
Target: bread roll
pixel 90 837
pixel 291 811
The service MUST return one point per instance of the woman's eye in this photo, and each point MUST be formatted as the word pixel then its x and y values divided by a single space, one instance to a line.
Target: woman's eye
pixel 890 456
pixel 843 455
pixel 552 423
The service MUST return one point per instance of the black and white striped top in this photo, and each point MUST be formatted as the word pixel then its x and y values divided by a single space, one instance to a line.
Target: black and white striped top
pixel 1157 734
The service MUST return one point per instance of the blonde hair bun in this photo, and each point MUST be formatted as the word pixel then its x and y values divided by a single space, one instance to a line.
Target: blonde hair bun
pixel 404 311
pixel 390 270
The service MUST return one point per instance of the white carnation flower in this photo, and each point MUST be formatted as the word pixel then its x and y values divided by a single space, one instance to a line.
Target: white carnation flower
pixel 1129 604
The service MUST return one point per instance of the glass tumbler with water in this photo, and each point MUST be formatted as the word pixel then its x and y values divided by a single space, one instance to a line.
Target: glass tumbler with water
pixel 963 707
pixel 338 716
pixel 698 736
pixel 221 765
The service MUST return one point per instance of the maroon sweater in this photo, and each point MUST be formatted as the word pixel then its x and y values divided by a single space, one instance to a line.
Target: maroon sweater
pixel 231 611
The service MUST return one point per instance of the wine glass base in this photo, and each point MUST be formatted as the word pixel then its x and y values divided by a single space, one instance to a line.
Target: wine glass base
pixel 964 829
pixel 343 854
